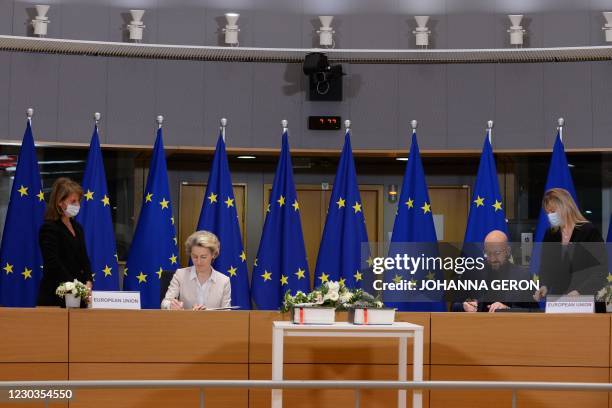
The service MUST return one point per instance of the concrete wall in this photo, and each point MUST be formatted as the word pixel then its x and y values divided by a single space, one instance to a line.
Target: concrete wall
pixel 452 102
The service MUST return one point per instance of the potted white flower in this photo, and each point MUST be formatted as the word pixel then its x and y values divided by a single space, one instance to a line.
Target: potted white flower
pixel 605 295
pixel 72 292
pixel 317 307
pixel 366 309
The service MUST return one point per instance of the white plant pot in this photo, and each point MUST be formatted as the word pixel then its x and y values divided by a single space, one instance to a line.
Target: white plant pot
pixel 368 316
pixel 313 315
pixel 72 302
pixel 609 307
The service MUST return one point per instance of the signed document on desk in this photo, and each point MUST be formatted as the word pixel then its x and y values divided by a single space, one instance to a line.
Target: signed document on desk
pixel 221 308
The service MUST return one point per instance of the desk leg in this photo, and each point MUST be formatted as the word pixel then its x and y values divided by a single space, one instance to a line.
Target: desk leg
pixel 277 365
pixel 402 370
pixel 417 368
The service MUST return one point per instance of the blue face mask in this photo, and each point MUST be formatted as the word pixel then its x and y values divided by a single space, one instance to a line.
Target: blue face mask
pixel 554 219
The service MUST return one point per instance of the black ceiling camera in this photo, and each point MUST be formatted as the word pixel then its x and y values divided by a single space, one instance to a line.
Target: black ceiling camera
pixel 325 81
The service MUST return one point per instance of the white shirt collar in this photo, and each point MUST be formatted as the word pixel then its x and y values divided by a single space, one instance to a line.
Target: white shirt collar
pixel 193 274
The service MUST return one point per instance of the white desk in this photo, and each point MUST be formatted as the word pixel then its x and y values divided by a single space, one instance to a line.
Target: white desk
pixel 400 330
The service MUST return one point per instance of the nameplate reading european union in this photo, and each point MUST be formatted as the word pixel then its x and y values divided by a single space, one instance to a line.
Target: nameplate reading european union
pixel 570 304
pixel 101 299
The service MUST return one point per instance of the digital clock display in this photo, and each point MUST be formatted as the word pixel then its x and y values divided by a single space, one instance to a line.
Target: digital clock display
pixel 324 122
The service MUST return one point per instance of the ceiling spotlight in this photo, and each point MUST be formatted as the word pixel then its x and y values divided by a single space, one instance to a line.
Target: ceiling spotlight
pixel 516 30
pixel 246 157
pixel 136 26
pixel 422 32
pixel 326 33
pixel 41 20
pixel 401 158
pixel 608 26
pixel 231 30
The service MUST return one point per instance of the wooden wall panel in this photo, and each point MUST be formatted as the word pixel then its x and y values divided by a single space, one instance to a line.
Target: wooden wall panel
pixel 162 398
pixel 520 339
pixel 331 398
pixel 525 399
pixel 34 335
pixel 326 350
pixel 156 336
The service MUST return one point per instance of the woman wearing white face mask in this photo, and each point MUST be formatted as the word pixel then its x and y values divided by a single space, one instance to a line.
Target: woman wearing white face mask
pixel 62 242
pixel 574 258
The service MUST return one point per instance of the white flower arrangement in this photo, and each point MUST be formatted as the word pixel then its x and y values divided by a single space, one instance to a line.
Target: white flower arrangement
pixel 605 294
pixel 74 288
pixel 331 294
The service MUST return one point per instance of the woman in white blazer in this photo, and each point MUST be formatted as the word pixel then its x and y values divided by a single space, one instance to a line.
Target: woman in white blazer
pixel 199 286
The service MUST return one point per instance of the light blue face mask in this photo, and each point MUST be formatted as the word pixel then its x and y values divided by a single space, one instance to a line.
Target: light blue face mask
pixel 72 210
pixel 554 219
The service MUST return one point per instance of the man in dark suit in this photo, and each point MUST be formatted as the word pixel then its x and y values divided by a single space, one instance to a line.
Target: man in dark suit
pixel 498 267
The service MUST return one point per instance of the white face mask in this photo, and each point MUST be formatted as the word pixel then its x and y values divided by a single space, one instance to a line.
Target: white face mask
pixel 554 219
pixel 72 210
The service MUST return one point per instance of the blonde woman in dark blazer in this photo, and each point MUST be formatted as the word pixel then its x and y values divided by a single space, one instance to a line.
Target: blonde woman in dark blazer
pixel 199 286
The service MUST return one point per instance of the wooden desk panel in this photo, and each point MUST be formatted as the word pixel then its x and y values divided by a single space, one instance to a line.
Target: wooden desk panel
pixel 326 350
pixel 331 398
pixel 32 372
pixel 159 336
pixel 520 339
pixel 162 398
pixel 34 335
pixel 525 399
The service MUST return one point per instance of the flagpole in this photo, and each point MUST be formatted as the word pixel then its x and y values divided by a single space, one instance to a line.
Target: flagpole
pixel 561 123
pixel 347 126
pixel 160 120
pixel 490 130
pixel 97 117
pixel 222 128
pixel 29 114
pixel 285 125
pixel 414 124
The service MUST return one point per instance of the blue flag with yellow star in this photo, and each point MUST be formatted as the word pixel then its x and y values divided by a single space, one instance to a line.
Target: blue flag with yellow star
pixel 609 250
pixel 486 210
pixel 20 258
pixel 219 216
pixel 153 248
pixel 344 245
pixel 95 217
pixel 559 176
pixel 414 234
pixel 281 258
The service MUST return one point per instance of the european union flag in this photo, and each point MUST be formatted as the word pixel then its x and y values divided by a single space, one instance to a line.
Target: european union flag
pixel 20 258
pixel 414 234
pixel 154 246
pixel 220 217
pixel 340 255
pixel 609 250
pixel 559 176
pixel 95 217
pixel 486 211
pixel 281 258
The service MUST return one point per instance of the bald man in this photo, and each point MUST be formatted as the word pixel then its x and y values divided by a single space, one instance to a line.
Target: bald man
pixel 498 253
